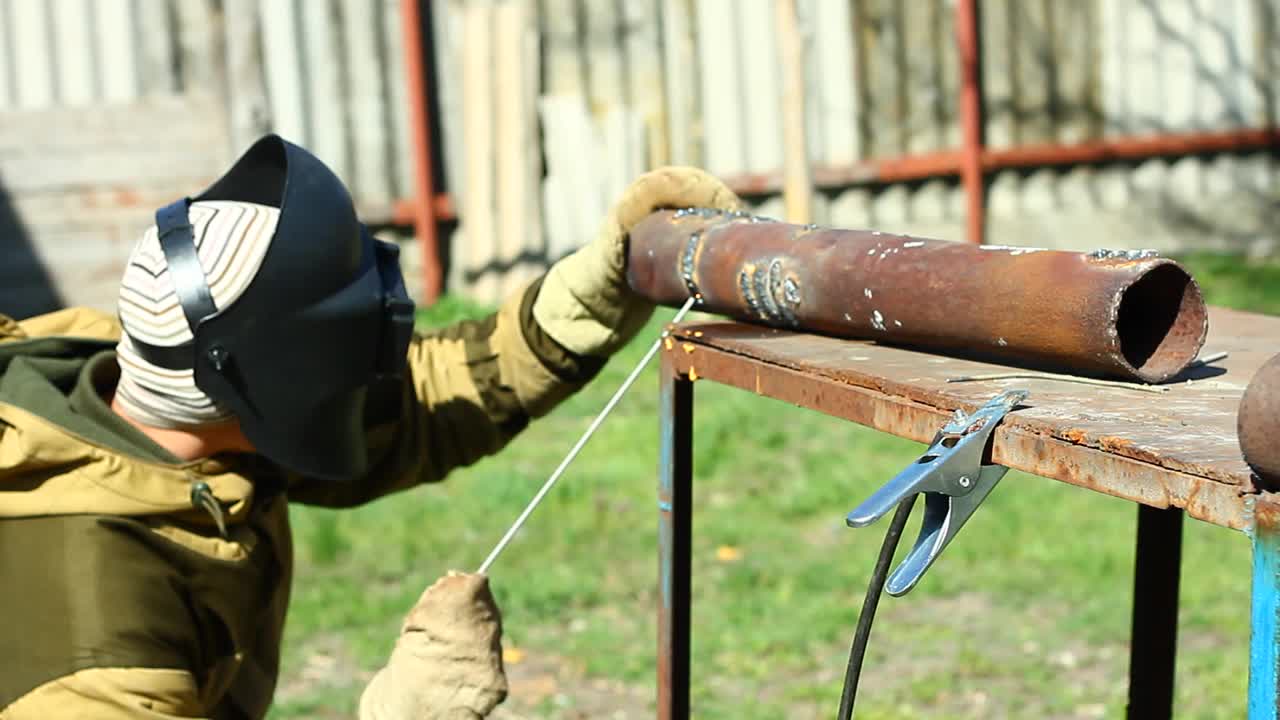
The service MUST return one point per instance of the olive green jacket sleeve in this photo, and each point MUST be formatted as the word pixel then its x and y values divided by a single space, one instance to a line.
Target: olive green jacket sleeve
pixel 470 388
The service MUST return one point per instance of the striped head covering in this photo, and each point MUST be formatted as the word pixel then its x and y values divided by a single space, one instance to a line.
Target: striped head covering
pixel 231 241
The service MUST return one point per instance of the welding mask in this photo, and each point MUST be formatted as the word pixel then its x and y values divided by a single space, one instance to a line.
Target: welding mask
pixel 324 317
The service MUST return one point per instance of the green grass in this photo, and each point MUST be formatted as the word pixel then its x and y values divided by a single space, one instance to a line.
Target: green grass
pixel 1026 615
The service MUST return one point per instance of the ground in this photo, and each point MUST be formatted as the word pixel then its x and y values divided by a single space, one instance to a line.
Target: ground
pixel 1025 615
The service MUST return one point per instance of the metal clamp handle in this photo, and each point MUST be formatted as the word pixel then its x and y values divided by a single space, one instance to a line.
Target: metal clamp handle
pixel 954 481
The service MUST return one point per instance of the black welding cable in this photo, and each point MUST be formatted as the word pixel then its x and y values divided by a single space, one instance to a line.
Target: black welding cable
pixel 874 589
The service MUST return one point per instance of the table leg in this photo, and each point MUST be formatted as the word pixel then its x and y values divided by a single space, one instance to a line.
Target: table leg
pixel 675 490
pixel 1154 645
pixel 1264 664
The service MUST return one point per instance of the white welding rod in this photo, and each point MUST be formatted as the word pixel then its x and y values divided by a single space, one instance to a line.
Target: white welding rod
pixel 582 441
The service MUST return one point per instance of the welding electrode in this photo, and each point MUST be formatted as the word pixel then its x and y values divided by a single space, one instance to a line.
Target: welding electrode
pixel 582 441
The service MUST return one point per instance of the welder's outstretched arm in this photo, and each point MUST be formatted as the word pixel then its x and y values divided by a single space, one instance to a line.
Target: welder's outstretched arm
pixel 473 386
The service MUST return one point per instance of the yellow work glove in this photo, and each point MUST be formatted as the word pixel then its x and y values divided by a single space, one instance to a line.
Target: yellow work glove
pixel 447 662
pixel 585 303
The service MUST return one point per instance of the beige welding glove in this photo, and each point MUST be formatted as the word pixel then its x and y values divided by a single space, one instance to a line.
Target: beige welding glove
pixel 585 302
pixel 447 663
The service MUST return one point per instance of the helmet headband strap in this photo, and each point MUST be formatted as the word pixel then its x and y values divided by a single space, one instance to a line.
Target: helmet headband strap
pixel 177 241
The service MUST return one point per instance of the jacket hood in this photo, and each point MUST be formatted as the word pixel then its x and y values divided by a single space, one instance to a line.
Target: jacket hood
pixel 57 460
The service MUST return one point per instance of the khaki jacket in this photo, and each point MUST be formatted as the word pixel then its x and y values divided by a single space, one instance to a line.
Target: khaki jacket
pixel 122 597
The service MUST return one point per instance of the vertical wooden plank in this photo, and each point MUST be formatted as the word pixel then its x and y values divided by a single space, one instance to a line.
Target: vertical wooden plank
pixel 157 45
pixel 510 182
pixel 323 54
pixel 447 29
pixel 1266 42
pixel 797 185
pixel 198 42
pixel 928 47
pixel 815 120
pixel 877 24
pixel 862 41
pixel 640 38
pixel 1147 74
pixel 402 148
pixel 574 188
pixel 35 77
pixel 1034 78
pixel 571 188
pixel 997 61
pixel 72 50
pixel 284 70
pixel 609 94
pixel 248 104
pixel 830 67
pixel 623 136
pixel 118 59
pixel 1076 106
pixel 1225 39
pixel 1173 24
pixel 606 81
pixel 759 86
pixel 574 193
pixel 367 102
pixel 722 121
pixel 945 89
pixel 7 63
pixel 1114 22
pixel 561 41
pixel 531 166
pixel 680 67
pixel 519 167
pixel 478 116
pixel 564 90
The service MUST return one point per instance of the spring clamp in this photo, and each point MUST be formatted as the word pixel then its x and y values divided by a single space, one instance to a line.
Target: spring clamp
pixel 954 480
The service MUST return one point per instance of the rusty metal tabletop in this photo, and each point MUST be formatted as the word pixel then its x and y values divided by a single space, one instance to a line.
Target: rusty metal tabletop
pixel 1177 448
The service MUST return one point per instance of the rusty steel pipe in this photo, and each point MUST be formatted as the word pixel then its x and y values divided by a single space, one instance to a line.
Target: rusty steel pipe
pixel 1114 313
pixel 1258 424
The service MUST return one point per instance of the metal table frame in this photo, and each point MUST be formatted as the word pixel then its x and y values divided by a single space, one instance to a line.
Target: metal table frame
pixel 1157 558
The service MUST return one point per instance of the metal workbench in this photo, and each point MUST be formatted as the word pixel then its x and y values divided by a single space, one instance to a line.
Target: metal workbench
pixel 1173 453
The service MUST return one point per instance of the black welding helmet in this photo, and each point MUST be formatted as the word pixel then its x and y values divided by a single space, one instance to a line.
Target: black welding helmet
pixel 325 315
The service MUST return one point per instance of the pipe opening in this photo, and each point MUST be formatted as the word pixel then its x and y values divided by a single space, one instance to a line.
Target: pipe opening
pixel 1161 322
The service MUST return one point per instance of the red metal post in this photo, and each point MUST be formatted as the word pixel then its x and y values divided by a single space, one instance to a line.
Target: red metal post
pixel 424 216
pixel 971 119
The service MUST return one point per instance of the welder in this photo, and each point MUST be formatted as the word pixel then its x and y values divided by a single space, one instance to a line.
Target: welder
pixel 264 353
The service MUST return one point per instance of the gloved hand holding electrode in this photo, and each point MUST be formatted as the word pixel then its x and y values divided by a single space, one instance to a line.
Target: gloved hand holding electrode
pixel 447 662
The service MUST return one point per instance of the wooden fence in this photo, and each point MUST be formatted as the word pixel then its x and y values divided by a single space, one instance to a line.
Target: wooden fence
pixel 547 108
